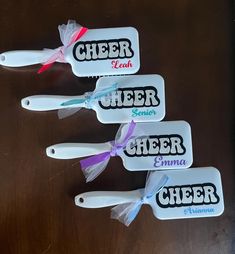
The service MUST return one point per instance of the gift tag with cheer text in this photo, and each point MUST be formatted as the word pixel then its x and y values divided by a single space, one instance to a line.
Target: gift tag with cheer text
pixel 161 145
pixel 105 51
pixel 138 97
pixel 190 193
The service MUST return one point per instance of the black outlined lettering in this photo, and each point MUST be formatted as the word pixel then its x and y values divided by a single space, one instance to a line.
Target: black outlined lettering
pixel 102 50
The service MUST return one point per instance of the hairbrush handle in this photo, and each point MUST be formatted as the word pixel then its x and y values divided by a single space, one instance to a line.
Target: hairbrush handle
pixel 18 58
pixel 98 199
pixel 76 150
pixel 49 102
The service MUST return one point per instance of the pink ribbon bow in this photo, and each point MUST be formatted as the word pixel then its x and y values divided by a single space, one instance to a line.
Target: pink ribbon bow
pixel 69 34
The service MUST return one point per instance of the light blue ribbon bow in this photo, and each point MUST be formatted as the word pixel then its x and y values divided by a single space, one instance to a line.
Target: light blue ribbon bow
pixel 91 96
pixel 127 212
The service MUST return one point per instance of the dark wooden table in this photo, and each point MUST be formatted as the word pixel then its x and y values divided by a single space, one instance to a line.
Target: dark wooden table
pixel 190 44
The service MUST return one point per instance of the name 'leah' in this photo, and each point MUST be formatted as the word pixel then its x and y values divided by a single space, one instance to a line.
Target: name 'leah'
pixel 155 145
pixel 103 49
pixel 184 195
pixel 131 97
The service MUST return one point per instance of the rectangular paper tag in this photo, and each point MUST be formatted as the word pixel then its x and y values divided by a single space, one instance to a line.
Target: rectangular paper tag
pixel 190 193
pixel 139 98
pixel 159 145
pixel 106 51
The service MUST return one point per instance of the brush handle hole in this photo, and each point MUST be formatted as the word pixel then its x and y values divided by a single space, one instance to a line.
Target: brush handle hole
pixel 81 200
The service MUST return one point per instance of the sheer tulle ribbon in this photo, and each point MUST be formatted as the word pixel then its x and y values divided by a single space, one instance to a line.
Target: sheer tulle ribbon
pixel 127 212
pixel 94 165
pixel 69 34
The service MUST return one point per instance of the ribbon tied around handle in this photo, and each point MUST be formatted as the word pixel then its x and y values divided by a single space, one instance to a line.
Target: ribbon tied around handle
pixel 72 106
pixel 69 34
pixel 94 165
pixel 126 213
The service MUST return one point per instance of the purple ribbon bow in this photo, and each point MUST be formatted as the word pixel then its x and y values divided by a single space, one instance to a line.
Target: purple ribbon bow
pixel 94 165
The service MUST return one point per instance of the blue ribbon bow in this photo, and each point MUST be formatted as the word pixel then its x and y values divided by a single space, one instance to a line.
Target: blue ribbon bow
pixel 91 96
pixel 126 213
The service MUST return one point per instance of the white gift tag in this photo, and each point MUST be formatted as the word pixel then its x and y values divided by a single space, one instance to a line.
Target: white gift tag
pixel 105 51
pixel 117 99
pixel 139 97
pixel 90 52
pixel 160 145
pixel 190 193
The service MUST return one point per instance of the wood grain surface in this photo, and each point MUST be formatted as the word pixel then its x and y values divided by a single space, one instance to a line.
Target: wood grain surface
pixel 190 43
